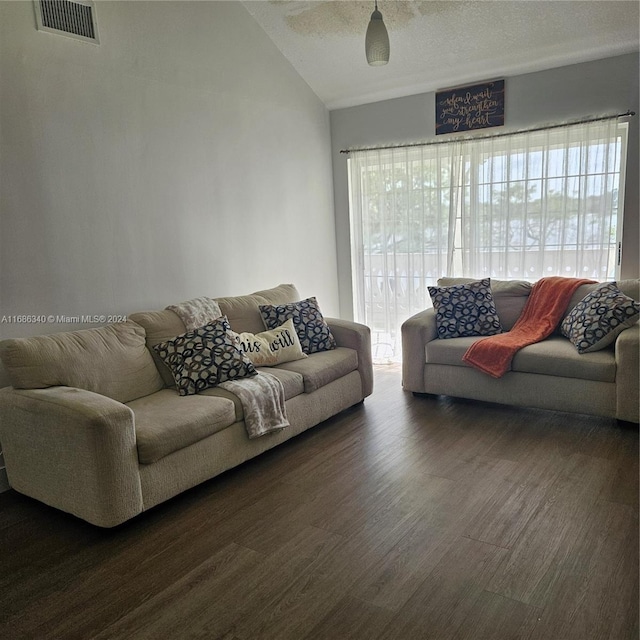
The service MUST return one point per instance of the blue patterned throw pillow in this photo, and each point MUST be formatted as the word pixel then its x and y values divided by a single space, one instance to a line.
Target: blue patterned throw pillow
pixel 595 322
pixel 205 357
pixel 465 310
pixel 312 330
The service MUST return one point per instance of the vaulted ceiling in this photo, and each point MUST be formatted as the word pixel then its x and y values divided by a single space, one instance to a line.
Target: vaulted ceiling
pixel 436 44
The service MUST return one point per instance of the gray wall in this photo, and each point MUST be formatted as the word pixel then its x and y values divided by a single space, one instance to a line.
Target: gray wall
pixel 181 157
pixel 566 93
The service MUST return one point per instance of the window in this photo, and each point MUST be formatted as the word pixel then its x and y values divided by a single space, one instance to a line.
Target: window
pixel 518 206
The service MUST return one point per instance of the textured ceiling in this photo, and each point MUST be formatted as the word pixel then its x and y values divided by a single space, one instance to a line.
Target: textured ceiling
pixel 438 44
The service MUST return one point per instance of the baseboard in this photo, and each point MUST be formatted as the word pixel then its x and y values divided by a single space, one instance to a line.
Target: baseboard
pixel 4 481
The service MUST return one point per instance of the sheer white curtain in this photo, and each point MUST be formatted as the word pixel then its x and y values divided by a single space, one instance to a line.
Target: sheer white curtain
pixel 519 206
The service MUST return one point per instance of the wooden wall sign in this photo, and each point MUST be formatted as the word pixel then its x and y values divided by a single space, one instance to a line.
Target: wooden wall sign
pixel 474 107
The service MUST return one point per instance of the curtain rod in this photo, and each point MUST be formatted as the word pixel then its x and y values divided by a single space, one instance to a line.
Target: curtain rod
pixel 495 135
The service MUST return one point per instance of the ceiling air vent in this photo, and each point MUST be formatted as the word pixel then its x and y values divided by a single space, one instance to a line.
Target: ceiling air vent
pixel 74 19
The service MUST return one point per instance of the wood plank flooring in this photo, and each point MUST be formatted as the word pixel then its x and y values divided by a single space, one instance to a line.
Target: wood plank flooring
pixel 405 518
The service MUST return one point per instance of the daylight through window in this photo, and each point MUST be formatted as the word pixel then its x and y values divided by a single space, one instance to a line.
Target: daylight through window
pixel 519 206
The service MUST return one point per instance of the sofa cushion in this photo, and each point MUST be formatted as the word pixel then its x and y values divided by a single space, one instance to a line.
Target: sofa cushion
pixel 281 294
pixel 553 356
pixel 220 392
pixel 311 327
pixel 556 356
pixel 630 288
pixel 448 351
pixel 509 296
pixel 205 357
pixel 271 347
pixel 166 422
pixel 292 383
pixel 243 312
pixel 465 310
pixel 111 360
pixel 160 326
pixel 323 367
pixel 597 320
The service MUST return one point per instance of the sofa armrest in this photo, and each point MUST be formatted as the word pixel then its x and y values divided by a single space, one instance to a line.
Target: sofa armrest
pixel 72 449
pixel 627 350
pixel 416 332
pixel 356 336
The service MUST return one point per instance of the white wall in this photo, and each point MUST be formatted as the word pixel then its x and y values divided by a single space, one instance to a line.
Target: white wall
pixel 566 93
pixel 183 156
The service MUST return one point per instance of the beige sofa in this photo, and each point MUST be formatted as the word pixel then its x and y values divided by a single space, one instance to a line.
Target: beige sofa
pixel 97 428
pixel 548 375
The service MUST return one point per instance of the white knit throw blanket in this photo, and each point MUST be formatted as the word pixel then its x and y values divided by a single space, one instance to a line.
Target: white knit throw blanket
pixel 262 399
pixel 196 312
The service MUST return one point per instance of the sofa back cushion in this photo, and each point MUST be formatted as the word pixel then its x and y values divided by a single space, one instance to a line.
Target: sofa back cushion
pixel 509 297
pixel 630 288
pixel 160 326
pixel 241 311
pixel 112 360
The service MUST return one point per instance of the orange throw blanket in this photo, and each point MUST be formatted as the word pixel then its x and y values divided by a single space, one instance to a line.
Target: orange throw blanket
pixel 542 312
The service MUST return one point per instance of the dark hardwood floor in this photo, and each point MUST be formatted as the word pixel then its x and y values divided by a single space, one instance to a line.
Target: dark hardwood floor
pixel 403 518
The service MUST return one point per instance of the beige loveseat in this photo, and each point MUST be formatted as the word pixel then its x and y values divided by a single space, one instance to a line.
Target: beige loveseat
pixel 97 428
pixel 548 375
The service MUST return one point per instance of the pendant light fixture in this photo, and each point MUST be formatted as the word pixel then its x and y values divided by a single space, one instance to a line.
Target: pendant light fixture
pixel 377 40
